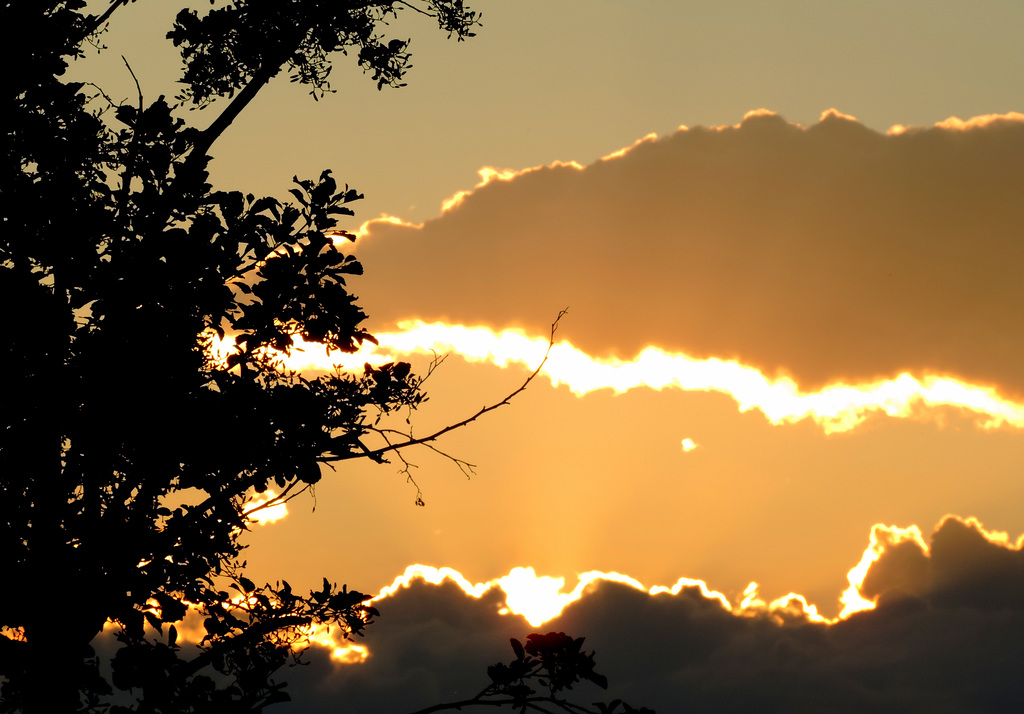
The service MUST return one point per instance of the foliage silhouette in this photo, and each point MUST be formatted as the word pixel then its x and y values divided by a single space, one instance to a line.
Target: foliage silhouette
pixel 553 662
pixel 129 454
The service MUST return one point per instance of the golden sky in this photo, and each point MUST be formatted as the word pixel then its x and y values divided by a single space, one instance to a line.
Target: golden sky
pixel 817 303
pixel 785 326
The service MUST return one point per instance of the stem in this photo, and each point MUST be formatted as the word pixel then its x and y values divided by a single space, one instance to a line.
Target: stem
pixel 202 146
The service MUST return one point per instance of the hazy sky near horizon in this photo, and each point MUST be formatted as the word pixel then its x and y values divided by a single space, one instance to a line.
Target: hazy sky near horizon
pixel 813 246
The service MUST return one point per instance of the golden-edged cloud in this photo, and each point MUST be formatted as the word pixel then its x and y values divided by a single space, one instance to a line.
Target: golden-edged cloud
pixel 489 174
pixel 827 254
pixel 942 632
pixel 954 606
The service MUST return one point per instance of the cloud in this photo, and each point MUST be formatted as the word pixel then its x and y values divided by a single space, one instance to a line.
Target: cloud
pixel 837 408
pixel 948 635
pixel 828 253
pixel 966 567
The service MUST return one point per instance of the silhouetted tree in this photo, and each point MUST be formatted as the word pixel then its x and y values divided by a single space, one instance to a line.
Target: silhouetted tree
pixel 128 453
pixel 545 668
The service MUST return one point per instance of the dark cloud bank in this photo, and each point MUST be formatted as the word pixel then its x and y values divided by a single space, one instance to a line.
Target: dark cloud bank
pixel 828 252
pixel 947 636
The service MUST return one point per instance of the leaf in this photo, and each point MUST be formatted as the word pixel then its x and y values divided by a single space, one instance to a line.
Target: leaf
pixel 263 204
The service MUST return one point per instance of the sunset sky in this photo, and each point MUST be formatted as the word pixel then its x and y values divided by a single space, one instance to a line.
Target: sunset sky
pixel 788 235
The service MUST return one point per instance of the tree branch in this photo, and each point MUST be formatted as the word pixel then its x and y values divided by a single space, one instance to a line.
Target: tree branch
pixel 251 634
pixel 98 20
pixel 241 100
pixel 266 72
pixel 376 453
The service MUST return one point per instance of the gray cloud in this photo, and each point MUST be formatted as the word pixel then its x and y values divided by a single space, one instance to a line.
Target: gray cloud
pixel 948 635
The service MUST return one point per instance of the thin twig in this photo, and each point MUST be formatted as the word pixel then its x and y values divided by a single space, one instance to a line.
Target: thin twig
pixel 279 499
pixel 420 10
pixel 458 425
pixel 138 87
pixel 129 159
pixel 466 467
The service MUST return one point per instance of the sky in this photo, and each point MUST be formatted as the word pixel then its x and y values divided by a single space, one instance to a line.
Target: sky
pixel 787 235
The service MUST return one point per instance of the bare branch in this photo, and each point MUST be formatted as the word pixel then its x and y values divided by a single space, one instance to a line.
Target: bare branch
pixel 416 8
pixel 466 467
pixel 129 169
pixel 138 87
pixel 280 499
pixel 425 440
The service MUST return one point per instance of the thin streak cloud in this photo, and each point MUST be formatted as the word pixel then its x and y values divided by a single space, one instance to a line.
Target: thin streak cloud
pixel 835 407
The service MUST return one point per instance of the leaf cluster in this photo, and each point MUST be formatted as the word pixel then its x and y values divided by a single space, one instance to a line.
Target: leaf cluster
pixel 545 668
pixel 249 636
pixel 129 451
pixel 554 660
pixel 225 49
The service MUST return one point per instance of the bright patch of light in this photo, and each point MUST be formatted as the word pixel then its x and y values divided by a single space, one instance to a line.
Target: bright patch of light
pixel 342 650
pixel 263 509
pixel 541 598
pixel 958 124
pixel 434 576
pixel 366 226
pixel 538 599
pixel 489 174
pixel 619 153
pixel 836 407
pixel 882 537
pixel 829 113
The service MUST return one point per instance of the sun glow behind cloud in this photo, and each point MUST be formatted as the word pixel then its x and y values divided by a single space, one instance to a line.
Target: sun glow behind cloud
pixel 267 507
pixel 541 598
pixel 836 408
pixel 882 537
